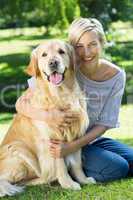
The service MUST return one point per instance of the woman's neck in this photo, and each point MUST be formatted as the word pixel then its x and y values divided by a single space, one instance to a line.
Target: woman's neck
pixel 91 70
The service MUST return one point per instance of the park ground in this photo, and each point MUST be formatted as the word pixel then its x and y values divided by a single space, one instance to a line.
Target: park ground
pixel 15 48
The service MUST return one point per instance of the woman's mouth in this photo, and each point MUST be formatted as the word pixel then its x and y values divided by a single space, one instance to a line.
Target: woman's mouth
pixel 86 59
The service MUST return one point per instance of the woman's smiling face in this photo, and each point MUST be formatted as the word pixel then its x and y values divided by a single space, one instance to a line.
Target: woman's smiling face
pixel 88 48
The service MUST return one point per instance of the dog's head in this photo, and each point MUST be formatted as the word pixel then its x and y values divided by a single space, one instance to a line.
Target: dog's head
pixel 53 61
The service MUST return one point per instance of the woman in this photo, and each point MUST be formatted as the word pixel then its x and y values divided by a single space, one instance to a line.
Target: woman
pixel 103 158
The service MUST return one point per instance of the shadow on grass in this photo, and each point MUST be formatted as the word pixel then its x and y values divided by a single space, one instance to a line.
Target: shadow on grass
pixel 12 68
pixel 5 118
pixel 128 141
pixel 23 37
pixel 38 36
pixel 13 79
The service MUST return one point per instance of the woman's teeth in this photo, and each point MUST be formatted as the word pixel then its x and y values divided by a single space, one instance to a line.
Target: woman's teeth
pixel 88 59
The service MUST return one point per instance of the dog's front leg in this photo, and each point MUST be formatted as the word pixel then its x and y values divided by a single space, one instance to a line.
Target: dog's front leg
pixel 76 169
pixel 63 177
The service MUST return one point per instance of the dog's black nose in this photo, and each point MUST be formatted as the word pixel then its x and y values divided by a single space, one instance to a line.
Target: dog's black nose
pixel 53 63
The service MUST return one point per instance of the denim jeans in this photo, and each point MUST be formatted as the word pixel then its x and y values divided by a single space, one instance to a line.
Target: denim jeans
pixel 107 160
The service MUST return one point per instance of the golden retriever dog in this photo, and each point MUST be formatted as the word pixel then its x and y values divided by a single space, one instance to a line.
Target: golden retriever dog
pixel 24 156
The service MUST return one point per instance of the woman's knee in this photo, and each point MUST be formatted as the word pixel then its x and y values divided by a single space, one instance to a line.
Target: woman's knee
pixel 117 169
pixel 107 166
pixel 114 171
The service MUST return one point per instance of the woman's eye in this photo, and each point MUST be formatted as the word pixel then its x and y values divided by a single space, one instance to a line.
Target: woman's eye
pixel 61 51
pixel 94 44
pixel 44 54
pixel 77 47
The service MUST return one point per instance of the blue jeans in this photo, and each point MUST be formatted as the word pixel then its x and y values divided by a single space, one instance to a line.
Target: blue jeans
pixel 107 160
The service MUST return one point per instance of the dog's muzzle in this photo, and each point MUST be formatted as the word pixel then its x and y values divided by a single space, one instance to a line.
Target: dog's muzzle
pixel 55 77
pixel 53 64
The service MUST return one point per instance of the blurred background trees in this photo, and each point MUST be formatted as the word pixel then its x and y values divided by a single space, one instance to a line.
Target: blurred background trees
pixel 24 24
pixel 20 13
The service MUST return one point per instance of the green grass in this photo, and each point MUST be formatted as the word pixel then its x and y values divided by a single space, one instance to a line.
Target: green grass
pixel 125 131
pixel 100 192
pixel 118 190
pixel 124 31
pixel 15 48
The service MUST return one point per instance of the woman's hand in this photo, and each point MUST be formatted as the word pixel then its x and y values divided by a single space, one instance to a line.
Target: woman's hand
pixel 61 118
pixel 58 119
pixel 59 149
pixel 23 102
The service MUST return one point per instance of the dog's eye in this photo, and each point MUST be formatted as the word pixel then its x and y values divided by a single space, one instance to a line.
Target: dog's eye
pixel 44 54
pixel 61 51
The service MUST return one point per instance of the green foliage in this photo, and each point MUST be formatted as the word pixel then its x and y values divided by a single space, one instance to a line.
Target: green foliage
pixel 19 13
pixel 18 43
pixel 15 48
pixel 107 11
pixel 121 52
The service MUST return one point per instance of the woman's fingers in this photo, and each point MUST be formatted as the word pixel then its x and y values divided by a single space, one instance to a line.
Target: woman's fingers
pixel 65 108
pixel 26 96
pixel 53 152
pixel 63 126
pixel 55 127
pixel 26 100
pixel 54 143
pixel 28 93
pixel 70 120
pixel 66 124
pixel 72 115
pixel 25 104
pixel 61 129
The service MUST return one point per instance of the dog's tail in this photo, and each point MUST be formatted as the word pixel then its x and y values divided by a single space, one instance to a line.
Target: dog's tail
pixel 9 189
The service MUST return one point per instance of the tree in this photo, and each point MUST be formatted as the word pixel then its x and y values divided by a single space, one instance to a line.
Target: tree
pixel 36 13
pixel 107 10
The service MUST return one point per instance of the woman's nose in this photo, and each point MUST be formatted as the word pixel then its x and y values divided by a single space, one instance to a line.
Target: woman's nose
pixel 87 51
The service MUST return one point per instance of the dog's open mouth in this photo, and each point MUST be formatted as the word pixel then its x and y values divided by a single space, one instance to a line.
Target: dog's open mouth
pixel 55 78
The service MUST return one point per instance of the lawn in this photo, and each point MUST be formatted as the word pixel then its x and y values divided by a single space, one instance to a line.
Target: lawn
pixel 118 190
pixel 15 48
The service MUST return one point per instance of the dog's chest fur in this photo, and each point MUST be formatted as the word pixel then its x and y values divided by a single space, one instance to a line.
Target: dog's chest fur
pixel 60 99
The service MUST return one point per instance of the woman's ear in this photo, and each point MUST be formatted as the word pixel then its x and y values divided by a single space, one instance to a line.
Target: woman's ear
pixel 32 69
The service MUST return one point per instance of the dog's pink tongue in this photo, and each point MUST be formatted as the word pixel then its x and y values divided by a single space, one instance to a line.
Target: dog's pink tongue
pixel 55 78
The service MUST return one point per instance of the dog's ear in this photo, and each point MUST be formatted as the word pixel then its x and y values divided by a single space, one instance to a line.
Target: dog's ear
pixel 72 55
pixel 32 69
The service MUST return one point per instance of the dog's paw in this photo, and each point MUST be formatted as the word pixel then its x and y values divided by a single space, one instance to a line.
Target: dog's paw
pixel 71 185
pixel 75 186
pixel 86 180
pixel 91 180
pixel 7 188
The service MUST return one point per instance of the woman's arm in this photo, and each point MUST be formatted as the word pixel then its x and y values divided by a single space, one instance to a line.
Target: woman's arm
pixel 60 149
pixel 56 118
pixel 23 107
pixel 95 132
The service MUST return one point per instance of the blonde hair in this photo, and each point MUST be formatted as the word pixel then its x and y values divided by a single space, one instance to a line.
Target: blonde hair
pixel 81 25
